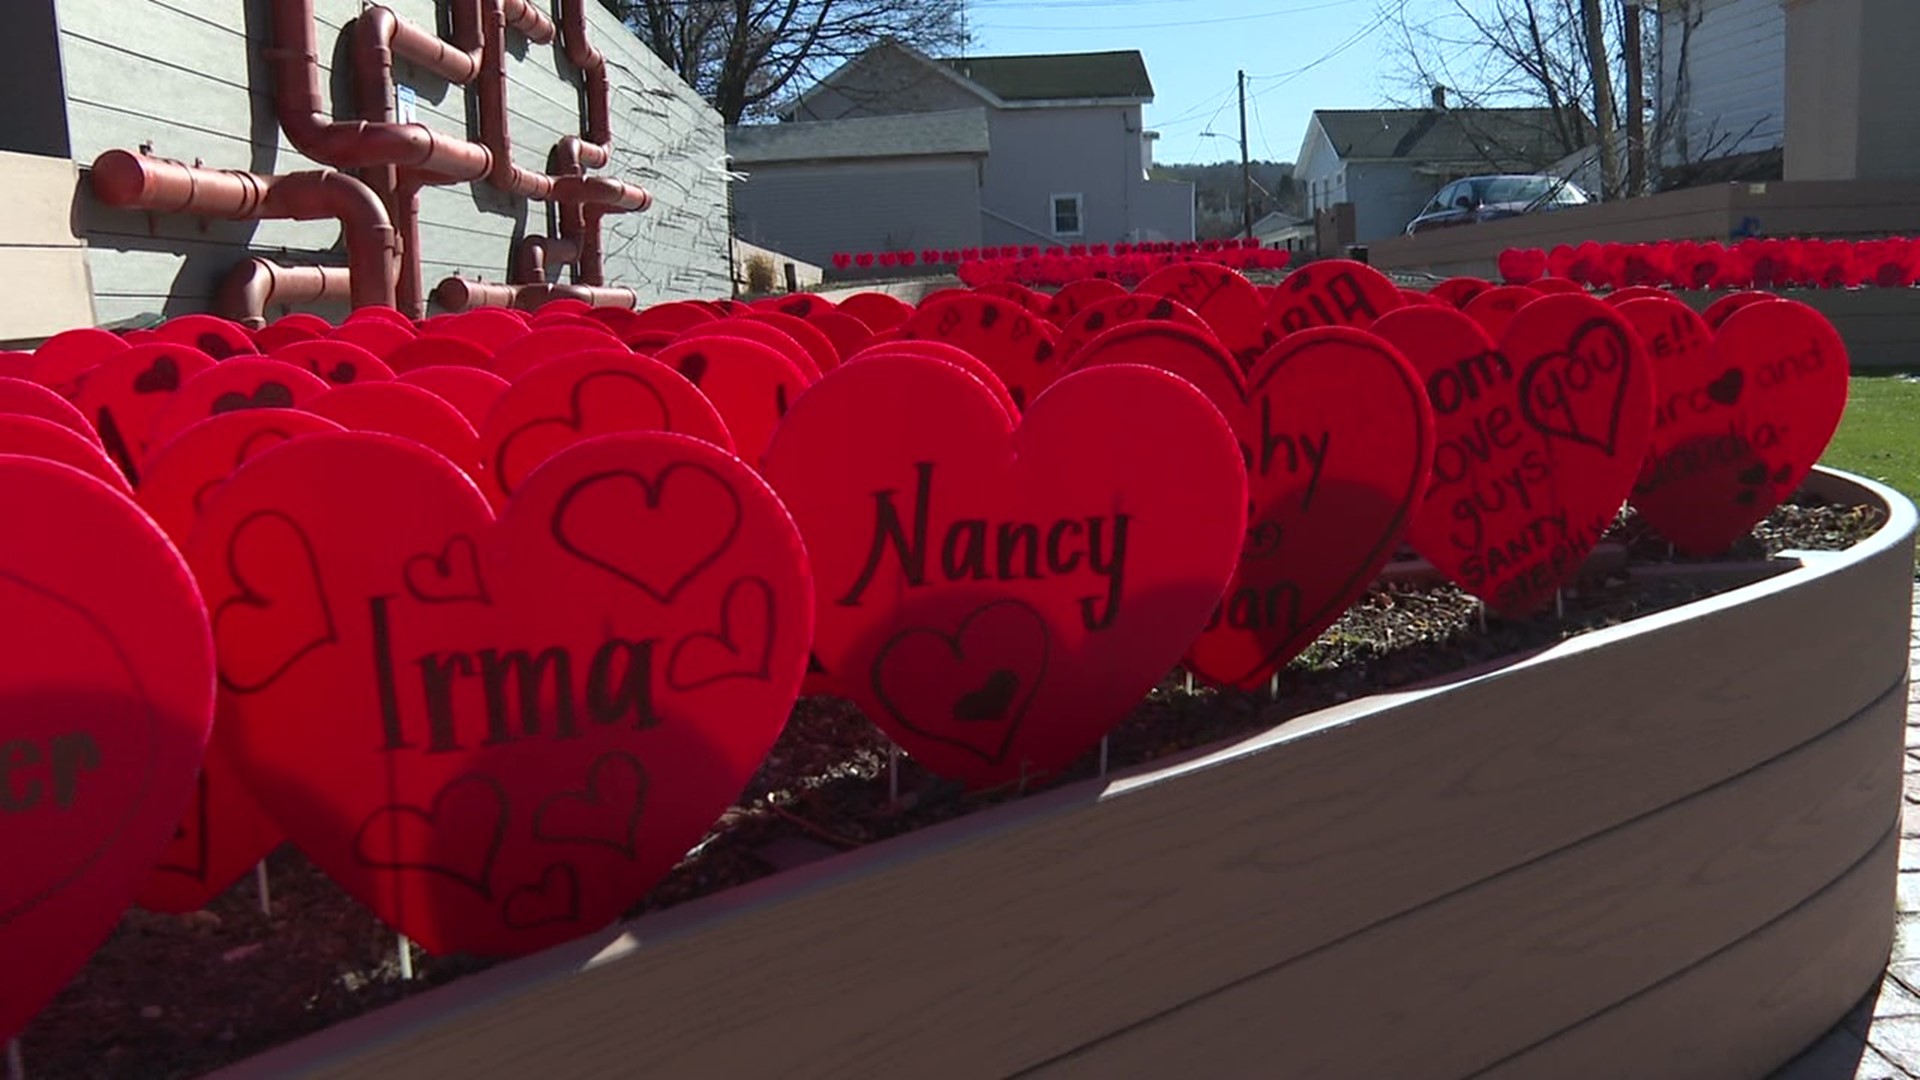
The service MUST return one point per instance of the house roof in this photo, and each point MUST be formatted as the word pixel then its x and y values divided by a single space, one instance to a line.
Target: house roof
pixel 959 131
pixel 1497 139
pixel 1059 76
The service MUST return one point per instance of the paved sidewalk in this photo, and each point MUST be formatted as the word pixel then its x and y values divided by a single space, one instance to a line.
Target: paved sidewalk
pixel 1880 1039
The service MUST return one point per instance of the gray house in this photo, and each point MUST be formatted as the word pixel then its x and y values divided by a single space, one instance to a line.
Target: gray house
pixel 859 156
pixel 1389 162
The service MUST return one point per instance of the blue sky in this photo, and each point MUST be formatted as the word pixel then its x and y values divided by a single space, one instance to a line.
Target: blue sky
pixel 1193 48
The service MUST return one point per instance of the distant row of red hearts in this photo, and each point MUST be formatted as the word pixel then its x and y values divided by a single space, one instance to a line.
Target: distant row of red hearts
pixel 1765 263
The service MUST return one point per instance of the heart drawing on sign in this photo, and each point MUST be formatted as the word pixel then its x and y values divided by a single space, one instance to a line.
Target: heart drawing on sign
pixel 1580 393
pixel 971 688
pixel 496 777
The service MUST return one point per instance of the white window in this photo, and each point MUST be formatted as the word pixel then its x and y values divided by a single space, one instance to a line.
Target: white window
pixel 1066 216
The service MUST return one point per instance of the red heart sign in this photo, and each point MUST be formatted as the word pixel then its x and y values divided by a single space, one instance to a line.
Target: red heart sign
pixel 1337 440
pixel 106 684
pixel 798 305
pixel 821 355
pixel 1459 291
pixel 31 436
pixel 406 411
pixel 249 382
pixel 216 337
pixel 338 362
pixel 62 359
pixel 1741 417
pixel 438 350
pixel 1332 292
pixel 468 389
pixel 756 331
pixel 1103 315
pixel 498 735
pixel 960 358
pixel 1076 296
pixel 576 398
pixel 1495 308
pixel 996 597
pixel 847 334
pixel 750 385
pixel 1019 346
pixel 540 346
pixel 1536 442
pixel 1229 303
pixel 1718 311
pixel 122 396
pixel 377 336
pixel 878 310
pixel 18 397
pixel 1518 266
pixel 492 329
pixel 224 831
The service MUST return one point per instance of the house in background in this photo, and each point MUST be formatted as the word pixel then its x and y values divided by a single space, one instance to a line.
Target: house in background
pixel 878 183
pixel 1284 232
pixel 1722 91
pixel 1065 158
pixel 1389 162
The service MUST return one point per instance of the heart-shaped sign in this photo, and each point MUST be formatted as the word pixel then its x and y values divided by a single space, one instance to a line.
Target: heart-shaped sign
pixel 1494 308
pixel 473 391
pixel 248 382
pixel 438 350
pixel 1076 296
pixel 106 689
pixel 542 345
pixel 31 436
pixel 1100 316
pixel 224 832
pixel 338 362
pixel 1019 346
pixel 1337 440
pixel 1459 291
pixel 1332 292
pixel 821 354
pixel 377 336
pixel 19 397
pixel 996 597
pixel 63 359
pixel 123 395
pixel 575 398
pixel 492 329
pixel 749 384
pixel 407 411
pixel 214 336
pixel 498 734
pixel 1741 418
pixel 1228 302
pixel 1536 442
pixel 1518 266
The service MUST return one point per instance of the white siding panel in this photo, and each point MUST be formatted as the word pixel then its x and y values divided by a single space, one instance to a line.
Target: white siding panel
pixel 811 211
pixel 1731 96
pixel 188 77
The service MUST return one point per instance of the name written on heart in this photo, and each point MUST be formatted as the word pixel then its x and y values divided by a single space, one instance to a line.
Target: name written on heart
pixel 526 692
pixel 1290 463
pixel 977 549
pixel 45 773
pixel 1739 446
pixel 1495 485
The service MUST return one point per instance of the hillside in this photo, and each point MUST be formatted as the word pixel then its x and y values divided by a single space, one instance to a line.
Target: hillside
pixel 1217 193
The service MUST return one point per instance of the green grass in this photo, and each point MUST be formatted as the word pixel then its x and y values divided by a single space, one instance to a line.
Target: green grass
pixel 1879 437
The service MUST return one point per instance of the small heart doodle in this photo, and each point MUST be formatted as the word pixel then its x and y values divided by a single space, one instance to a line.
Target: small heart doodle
pixel 605 813
pixel 555 898
pixel 741 648
pixel 688 514
pixel 458 837
pixel 451 577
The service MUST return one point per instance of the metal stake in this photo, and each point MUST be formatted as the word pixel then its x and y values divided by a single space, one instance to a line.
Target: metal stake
pixel 260 886
pixel 1103 755
pixel 16 1065
pixel 1480 609
pixel 893 774
pixel 1273 687
pixel 406 957
pixel 1560 604
pixel 1189 684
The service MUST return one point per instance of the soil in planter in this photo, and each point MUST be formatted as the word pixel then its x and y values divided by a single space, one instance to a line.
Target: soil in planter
pixel 177 996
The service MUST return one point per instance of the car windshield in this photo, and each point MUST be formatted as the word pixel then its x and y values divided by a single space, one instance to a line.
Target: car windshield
pixel 1496 190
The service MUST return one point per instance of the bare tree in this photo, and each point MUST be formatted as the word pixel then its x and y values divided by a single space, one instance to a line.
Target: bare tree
pixel 747 56
pixel 1568 59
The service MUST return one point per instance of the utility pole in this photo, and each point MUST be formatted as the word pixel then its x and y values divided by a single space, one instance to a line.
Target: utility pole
pixel 1246 164
pixel 1636 98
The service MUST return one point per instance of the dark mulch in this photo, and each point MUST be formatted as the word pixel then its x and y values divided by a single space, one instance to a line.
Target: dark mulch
pixel 175 996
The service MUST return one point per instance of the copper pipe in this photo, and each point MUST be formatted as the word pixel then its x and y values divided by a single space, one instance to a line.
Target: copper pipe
pixel 380 35
pixel 492 88
pixel 351 144
pixel 253 284
pixel 461 294
pixel 120 178
pixel 578 46
pixel 535 253
pixel 409 290
pixel 527 19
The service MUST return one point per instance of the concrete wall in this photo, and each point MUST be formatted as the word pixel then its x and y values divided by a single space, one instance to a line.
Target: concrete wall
pixel 1722 78
pixel 812 210
pixel 188 77
pixel 38 249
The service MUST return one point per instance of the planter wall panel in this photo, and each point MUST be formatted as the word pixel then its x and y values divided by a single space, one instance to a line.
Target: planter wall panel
pixel 1662 789
pixel 1748 1008
pixel 1453 987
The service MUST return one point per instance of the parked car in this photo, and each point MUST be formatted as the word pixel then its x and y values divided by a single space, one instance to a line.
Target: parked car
pixel 1487 198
